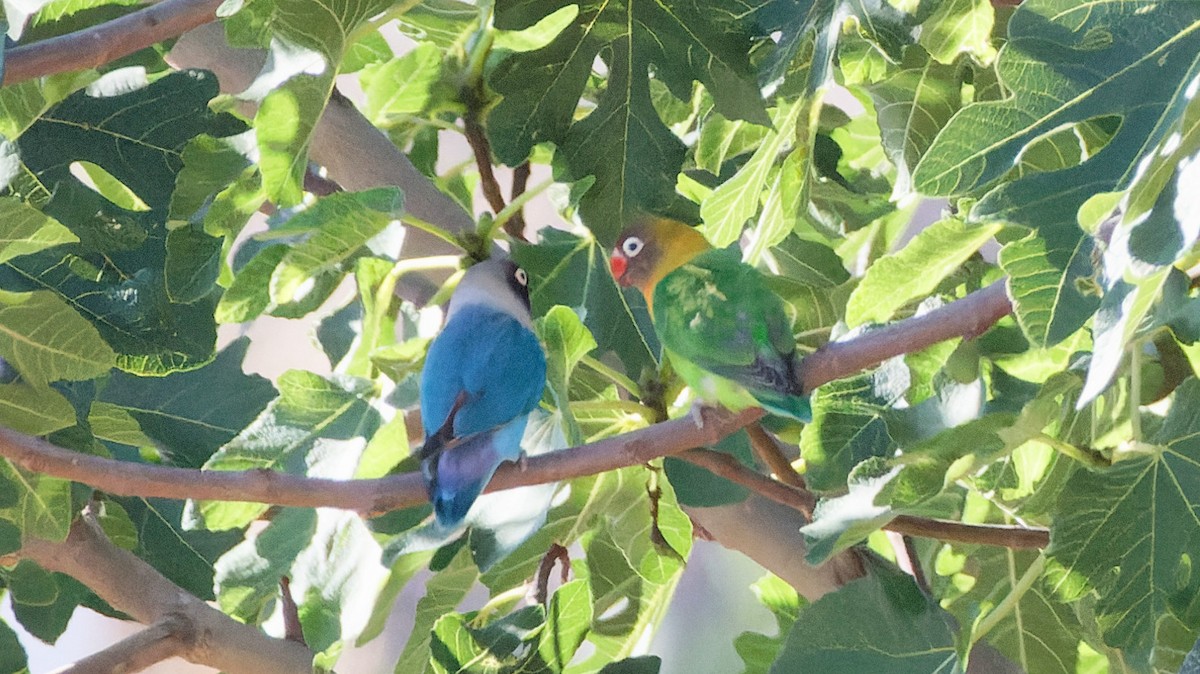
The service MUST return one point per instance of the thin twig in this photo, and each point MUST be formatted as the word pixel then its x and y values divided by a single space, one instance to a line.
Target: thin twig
pixel 726 466
pixel 515 227
pixel 556 554
pixel 111 40
pixel 1002 535
pixel 767 450
pixel 477 139
pixel 292 629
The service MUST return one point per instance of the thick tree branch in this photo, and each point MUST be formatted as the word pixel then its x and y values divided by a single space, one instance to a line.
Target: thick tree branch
pixel 95 46
pixel 164 639
pixel 356 155
pixel 134 587
pixel 766 532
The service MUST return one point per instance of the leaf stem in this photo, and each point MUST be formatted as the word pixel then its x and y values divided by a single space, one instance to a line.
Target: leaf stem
pixel 1009 604
pixel 1135 390
pixel 1084 456
pixel 613 406
pixel 514 207
pixel 614 376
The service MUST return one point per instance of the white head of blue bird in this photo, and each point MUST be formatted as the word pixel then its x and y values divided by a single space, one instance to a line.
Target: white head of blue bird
pixel 498 283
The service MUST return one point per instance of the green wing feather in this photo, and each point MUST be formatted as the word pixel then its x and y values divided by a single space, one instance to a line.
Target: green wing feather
pixel 719 314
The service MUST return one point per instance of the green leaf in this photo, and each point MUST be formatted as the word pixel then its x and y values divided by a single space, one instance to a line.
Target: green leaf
pixel 10 537
pixel 1122 311
pixel 843 521
pixel 190 415
pixel 23 103
pixel 698 488
pixel 916 270
pixel 298 83
pixel 49 622
pixel 643 664
pixel 12 654
pixel 185 557
pixel 758 651
pixel 209 166
pixel 906 634
pixel 1067 63
pixel 567 623
pixel 1136 569
pixel 46 340
pixel 572 271
pixel 337 579
pixel 959 27
pixel 403 85
pixel 314 421
pixel 848 426
pixel 249 294
pixel 623 142
pixel 567 341
pixel 727 209
pixel 809 262
pixel 914 104
pixel 343 223
pixel 43 503
pixel 150 334
pixel 28 230
pixel 34 410
pixel 120 130
pixel 193 263
pixel 1043 633
pixel 1048 274
pixel 247 576
pixel 443 592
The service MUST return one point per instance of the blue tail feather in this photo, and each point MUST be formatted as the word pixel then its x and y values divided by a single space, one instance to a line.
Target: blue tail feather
pixel 456 473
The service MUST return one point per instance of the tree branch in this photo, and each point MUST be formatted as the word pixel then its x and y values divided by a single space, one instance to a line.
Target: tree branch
pixel 134 587
pixel 167 638
pixel 968 317
pixel 366 496
pixel 356 155
pixel 728 467
pixel 98 45
pixel 961 532
pixel 767 450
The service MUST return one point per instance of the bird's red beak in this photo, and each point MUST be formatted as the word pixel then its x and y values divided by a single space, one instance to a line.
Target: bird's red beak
pixel 618 263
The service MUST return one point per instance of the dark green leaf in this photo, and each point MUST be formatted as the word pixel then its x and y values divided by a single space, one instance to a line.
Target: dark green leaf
pixel 907 633
pixel 193 262
pixel 315 427
pixel 12 654
pixel 191 414
pixel 46 340
pixel 1136 568
pixel 572 271
pixel 848 425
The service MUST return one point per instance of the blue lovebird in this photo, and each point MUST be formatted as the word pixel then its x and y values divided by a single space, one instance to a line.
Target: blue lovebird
pixel 483 376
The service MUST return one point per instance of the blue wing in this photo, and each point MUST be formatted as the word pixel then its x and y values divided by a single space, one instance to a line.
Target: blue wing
pixel 483 375
pixel 486 367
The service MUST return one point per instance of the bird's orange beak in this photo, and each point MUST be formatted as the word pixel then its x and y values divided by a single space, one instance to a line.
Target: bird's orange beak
pixel 618 263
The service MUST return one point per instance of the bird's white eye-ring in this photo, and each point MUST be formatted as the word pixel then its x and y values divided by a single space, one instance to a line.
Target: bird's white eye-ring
pixel 632 246
pixel 521 277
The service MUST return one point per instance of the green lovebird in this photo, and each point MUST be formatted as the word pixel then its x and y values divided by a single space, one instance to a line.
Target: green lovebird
pixel 725 332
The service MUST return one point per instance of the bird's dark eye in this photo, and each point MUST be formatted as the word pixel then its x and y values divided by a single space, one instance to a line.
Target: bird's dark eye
pixel 521 277
pixel 632 246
